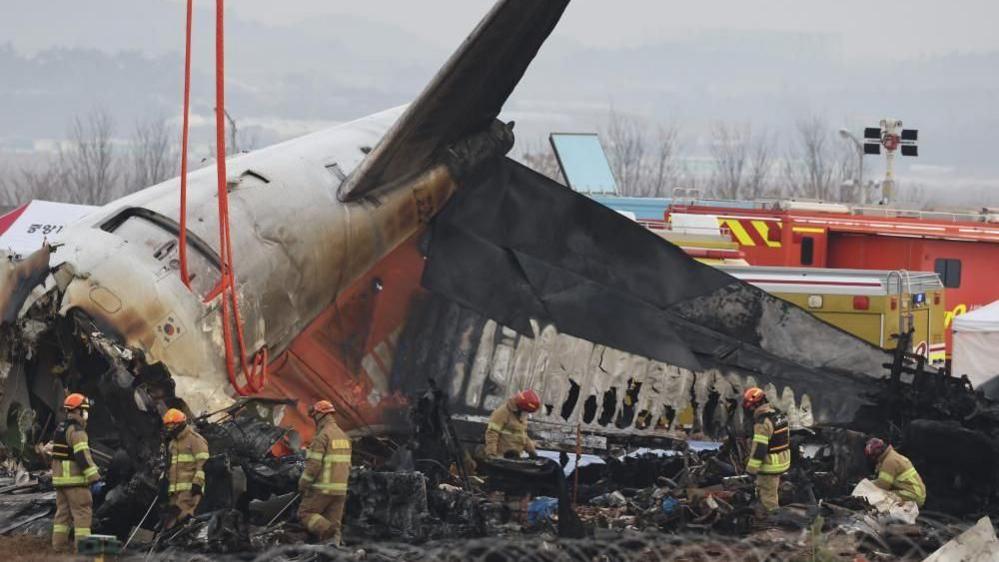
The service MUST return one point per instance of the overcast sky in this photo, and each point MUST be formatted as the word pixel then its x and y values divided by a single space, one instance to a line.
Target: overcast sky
pixel 296 66
pixel 884 29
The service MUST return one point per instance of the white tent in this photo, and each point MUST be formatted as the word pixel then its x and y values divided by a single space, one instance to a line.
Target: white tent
pixel 976 344
pixel 38 222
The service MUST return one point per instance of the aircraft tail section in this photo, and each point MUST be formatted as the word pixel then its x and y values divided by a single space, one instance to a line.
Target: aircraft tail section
pixel 464 97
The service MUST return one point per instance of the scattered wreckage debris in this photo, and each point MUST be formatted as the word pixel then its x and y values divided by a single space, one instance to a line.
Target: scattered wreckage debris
pixel 678 504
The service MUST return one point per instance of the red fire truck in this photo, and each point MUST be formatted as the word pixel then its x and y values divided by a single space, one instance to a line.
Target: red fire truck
pixel 963 248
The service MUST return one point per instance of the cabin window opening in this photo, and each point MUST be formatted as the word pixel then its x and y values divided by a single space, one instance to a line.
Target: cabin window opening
pixel 949 271
pixel 159 235
pixel 807 250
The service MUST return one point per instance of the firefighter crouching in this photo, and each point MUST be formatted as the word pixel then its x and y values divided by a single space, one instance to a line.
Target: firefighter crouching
pixel 187 453
pixel 506 433
pixel 895 472
pixel 73 472
pixel 770 450
pixel 323 484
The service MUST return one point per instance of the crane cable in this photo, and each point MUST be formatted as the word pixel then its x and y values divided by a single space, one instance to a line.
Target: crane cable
pixel 185 276
pixel 254 371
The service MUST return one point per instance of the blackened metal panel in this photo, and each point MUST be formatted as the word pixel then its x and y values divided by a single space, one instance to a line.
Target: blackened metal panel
pixel 518 248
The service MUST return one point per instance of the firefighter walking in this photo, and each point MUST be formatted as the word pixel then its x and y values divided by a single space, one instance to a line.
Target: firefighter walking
pixel 895 472
pixel 323 484
pixel 770 450
pixel 187 453
pixel 73 472
pixel 506 433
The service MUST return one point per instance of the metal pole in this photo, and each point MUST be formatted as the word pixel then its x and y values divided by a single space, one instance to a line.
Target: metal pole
pixel 846 134
pixel 286 506
pixel 575 476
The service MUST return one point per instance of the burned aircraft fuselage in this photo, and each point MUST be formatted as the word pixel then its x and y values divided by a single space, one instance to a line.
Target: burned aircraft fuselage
pixel 296 246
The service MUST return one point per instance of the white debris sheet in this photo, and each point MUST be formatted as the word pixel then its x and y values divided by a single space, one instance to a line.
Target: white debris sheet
pixel 889 505
pixel 977 544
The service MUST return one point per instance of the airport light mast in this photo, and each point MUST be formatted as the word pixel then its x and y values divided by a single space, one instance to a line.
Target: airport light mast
pixel 892 137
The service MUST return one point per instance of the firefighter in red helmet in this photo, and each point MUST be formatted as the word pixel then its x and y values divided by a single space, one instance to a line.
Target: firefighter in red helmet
pixel 323 484
pixel 73 473
pixel 770 449
pixel 895 472
pixel 506 434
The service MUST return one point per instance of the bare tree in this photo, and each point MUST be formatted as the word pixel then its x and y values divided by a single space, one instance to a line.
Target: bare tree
pixel 813 166
pixel 87 161
pixel 664 167
pixel 760 167
pixel 626 144
pixel 41 182
pixel 730 149
pixel 153 157
pixel 539 157
pixel 645 162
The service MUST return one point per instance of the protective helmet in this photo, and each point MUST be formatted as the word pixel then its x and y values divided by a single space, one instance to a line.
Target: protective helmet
pixel 174 416
pixel 527 401
pixel 76 400
pixel 753 397
pixel 874 448
pixel 322 407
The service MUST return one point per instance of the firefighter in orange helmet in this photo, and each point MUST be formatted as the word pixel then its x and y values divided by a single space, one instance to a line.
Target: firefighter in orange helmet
pixel 323 484
pixel 73 472
pixel 506 434
pixel 770 449
pixel 187 452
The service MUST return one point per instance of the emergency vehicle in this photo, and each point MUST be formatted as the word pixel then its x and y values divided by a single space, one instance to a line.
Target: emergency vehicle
pixel 962 248
pixel 871 305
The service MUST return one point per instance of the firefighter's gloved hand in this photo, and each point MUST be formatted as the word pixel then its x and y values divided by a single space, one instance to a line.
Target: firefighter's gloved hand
pixel 196 490
pixel 96 488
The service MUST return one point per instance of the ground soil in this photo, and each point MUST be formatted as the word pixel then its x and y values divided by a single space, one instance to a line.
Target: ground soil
pixel 28 548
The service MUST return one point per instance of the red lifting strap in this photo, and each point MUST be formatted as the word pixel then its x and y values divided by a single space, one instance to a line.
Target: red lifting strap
pixel 254 371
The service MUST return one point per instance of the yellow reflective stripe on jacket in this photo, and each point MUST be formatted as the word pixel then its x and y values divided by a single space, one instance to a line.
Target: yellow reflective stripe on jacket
pixel 340 444
pixel 57 528
pixel 90 471
pixel 907 475
pixel 502 429
pixel 81 446
pixel 886 477
pixel 180 487
pixel 776 463
pixel 331 459
pixel 334 487
pixel 761 439
pixel 66 479
pixel 199 475
pixel 202 456
pixel 314 455
pixel 182 457
pixel 754 463
pixel 81 532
